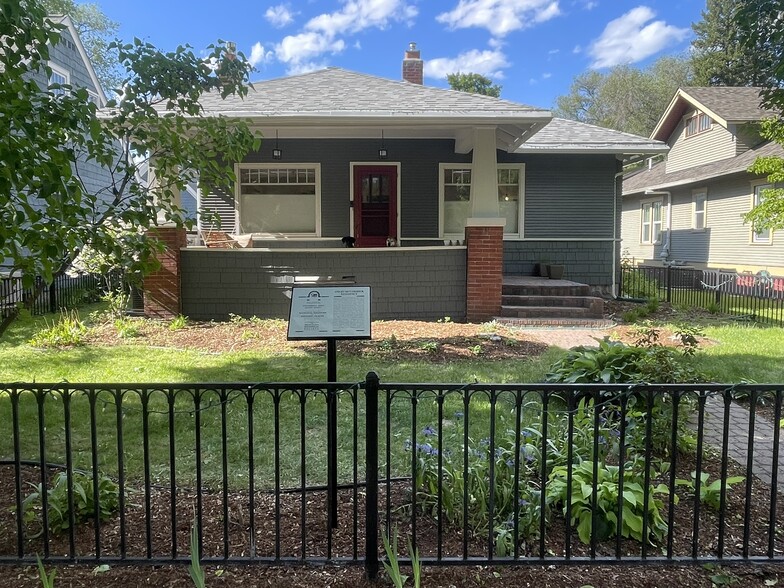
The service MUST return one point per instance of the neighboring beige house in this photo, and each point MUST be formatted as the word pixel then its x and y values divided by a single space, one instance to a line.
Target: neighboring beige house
pixel 689 208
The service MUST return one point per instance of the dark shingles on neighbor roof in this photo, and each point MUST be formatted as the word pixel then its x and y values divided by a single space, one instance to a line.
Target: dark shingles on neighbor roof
pixel 730 103
pixel 335 91
pixel 656 178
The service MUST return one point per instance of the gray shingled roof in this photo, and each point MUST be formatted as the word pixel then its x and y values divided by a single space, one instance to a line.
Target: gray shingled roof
pixel 730 103
pixel 567 135
pixel 656 178
pixel 338 92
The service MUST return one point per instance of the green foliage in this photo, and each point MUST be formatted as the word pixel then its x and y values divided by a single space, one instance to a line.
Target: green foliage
pixel 68 331
pixel 389 343
pixel 473 83
pixel 769 213
pixel 606 514
pixel 615 362
pixel 179 322
pixel 49 214
pixel 429 346
pixel 195 568
pixel 720 54
pixel 58 512
pixel 625 98
pixel 710 492
pixel 117 302
pixel 391 565
pixel 47 581
pixel 127 328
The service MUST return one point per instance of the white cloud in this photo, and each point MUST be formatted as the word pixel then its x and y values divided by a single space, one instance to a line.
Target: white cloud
pixel 590 4
pixel 487 63
pixel 546 75
pixel 258 55
pixel 279 16
pixel 632 37
pixel 305 67
pixel 500 17
pixel 298 49
pixel 577 49
pixel 321 34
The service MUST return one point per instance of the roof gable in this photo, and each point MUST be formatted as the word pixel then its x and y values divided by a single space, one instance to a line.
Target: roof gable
pixel 724 104
pixel 66 20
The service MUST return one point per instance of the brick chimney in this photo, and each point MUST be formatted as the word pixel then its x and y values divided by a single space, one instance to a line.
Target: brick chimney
pixel 413 67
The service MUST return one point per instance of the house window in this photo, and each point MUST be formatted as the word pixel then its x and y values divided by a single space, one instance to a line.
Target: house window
pixel 698 123
pixel 761 236
pixel 59 77
pixel 456 195
pixel 651 225
pixel 274 199
pixel 699 201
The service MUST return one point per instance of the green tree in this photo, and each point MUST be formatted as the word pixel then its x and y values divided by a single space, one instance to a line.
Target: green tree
pixel 625 98
pixel 48 215
pixel 473 83
pixel 720 54
pixel 760 25
pixel 96 31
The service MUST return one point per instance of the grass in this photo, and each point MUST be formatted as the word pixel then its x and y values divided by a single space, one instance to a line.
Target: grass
pixel 745 353
pixel 20 362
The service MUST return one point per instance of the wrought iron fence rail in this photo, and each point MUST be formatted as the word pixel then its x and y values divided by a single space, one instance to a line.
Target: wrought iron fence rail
pixel 64 293
pixel 506 474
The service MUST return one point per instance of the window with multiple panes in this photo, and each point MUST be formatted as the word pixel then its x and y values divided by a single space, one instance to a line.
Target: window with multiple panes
pixel 456 190
pixel 59 77
pixel 763 235
pixel 699 201
pixel 697 124
pixel 651 225
pixel 279 199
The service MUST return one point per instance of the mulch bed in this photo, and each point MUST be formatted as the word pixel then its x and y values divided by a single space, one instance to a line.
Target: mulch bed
pixel 289 527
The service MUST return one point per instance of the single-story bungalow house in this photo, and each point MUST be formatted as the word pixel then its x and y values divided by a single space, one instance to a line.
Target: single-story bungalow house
pixel 442 194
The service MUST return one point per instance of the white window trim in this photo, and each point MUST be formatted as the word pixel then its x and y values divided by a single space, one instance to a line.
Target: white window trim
pixel 58 70
pixel 661 221
pixel 352 165
pixel 694 194
pixel 237 199
pixel 521 199
pixel 696 115
pixel 752 235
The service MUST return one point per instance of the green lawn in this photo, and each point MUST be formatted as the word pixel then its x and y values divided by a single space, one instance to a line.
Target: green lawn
pixel 739 353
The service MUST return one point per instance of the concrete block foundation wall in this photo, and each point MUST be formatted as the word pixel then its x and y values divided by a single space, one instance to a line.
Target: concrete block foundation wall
pixel 425 284
pixel 587 262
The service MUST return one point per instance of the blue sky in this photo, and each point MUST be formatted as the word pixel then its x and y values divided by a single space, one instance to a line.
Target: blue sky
pixel 533 48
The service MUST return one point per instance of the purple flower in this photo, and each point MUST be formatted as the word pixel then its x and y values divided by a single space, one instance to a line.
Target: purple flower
pixel 428 431
pixel 522 502
pixel 458 415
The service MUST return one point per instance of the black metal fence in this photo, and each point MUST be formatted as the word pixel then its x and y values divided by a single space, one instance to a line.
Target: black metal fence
pixel 758 297
pixel 65 292
pixel 471 474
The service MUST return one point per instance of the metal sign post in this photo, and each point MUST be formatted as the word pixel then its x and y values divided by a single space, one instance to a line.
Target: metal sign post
pixel 329 313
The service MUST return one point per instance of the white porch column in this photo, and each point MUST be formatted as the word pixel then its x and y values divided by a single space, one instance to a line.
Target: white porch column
pixel 484 177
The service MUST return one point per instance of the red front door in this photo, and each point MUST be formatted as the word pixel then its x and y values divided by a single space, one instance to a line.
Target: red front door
pixel 375 205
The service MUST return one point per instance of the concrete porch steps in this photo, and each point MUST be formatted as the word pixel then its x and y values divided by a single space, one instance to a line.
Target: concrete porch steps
pixel 534 301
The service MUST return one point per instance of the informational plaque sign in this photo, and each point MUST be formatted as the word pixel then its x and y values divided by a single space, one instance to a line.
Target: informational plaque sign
pixel 329 312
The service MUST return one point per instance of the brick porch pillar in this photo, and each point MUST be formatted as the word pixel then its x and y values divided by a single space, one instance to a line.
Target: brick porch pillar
pixel 484 268
pixel 162 287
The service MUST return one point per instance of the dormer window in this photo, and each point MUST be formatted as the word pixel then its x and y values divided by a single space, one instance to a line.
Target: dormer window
pixel 58 78
pixel 699 123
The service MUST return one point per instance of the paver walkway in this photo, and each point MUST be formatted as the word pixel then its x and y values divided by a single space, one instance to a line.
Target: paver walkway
pixel 738 443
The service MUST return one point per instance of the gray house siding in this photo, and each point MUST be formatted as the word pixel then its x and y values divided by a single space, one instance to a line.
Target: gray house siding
pixel 726 240
pixel 712 145
pixel 417 284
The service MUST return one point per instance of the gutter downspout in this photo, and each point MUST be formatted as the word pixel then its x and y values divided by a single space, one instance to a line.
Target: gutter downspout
pixel 614 286
pixel 665 252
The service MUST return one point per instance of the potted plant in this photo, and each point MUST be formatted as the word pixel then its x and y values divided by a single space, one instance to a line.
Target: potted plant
pixel 555 271
pixel 541 268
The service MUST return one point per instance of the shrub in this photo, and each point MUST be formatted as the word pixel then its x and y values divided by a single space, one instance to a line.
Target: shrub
pixel 126 328
pixel 68 331
pixel 606 484
pixel 58 513
pixel 178 322
pixel 710 493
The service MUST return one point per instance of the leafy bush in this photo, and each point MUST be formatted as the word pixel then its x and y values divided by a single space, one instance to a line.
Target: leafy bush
pixel 710 493
pixel 582 497
pixel 68 331
pixel 178 322
pixel 126 328
pixel 58 513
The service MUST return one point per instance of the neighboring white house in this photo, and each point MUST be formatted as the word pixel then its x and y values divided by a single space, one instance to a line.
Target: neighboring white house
pixel 689 208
